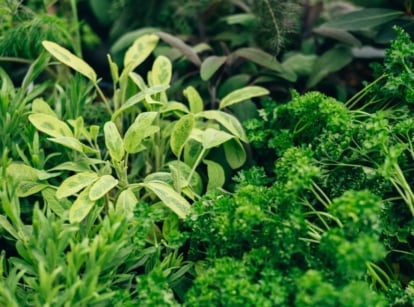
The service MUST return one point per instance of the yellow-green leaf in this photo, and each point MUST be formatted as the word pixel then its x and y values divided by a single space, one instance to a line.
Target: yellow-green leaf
pixel 27 188
pixel 102 186
pixel 181 132
pixel 126 203
pixel 141 128
pixel 72 143
pixel 20 172
pixel 113 68
pixel 139 97
pixel 75 183
pixel 58 206
pixel 213 138
pixel 161 71
pixel 139 51
pixel 50 125
pixel 71 60
pixel 41 106
pixel 113 141
pixel 81 207
pixel 178 204
pixel 194 99
pixel 242 95
pixel 228 121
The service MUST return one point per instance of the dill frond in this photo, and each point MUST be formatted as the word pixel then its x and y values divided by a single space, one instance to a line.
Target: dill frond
pixel 277 21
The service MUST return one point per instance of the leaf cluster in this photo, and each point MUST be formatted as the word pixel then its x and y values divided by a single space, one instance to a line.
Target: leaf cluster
pixel 253 247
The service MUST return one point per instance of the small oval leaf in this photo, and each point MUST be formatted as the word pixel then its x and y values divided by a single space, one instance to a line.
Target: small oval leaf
pixel 75 183
pixel 50 125
pixel 71 60
pixel 242 95
pixel 102 186
pixel 113 141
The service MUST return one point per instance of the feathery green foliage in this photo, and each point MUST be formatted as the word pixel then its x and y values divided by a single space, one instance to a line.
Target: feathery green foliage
pixel 277 21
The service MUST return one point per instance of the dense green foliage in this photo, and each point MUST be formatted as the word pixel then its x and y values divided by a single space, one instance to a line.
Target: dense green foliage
pixel 199 169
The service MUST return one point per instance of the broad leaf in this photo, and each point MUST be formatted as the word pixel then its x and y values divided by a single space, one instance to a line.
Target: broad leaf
pixel 58 206
pixel 210 65
pixel 235 153
pixel 139 51
pixel 181 132
pixel 27 188
pixel 20 172
pixel 242 95
pixel 177 43
pixel 75 183
pixel 300 63
pixel 228 121
pixel 71 60
pixel 113 141
pixel 260 57
pixel 178 204
pixel 181 171
pixel 233 83
pixel 140 129
pixel 102 186
pixel 194 99
pixel 50 125
pixel 78 166
pixel 127 39
pixel 161 71
pixel 213 138
pixel 331 61
pixel 126 203
pixel 363 19
pixel 338 34
pixel 81 207
pixel 215 173
pixel 41 106
pixel 174 107
pixel 72 143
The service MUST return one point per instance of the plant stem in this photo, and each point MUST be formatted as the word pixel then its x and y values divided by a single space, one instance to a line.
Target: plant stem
pixel 196 163
pixel 77 44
